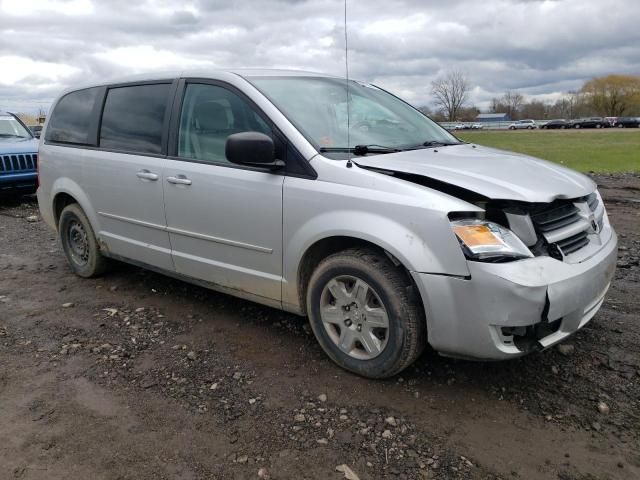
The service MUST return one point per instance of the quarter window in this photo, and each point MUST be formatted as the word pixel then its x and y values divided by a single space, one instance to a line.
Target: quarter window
pixel 133 117
pixel 209 115
pixel 71 117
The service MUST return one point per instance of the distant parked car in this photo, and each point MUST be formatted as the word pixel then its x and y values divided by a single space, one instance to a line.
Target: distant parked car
pixel 36 130
pixel 18 156
pixel 590 122
pixel 628 122
pixel 523 125
pixel 477 126
pixel 555 124
pixel 611 121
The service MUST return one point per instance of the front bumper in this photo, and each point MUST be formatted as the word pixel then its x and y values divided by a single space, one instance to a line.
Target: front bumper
pixel 23 181
pixel 476 317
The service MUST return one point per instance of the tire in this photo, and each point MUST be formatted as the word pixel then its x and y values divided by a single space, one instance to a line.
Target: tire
pixel 512 128
pixel 389 293
pixel 620 125
pixel 598 126
pixel 577 126
pixel 79 243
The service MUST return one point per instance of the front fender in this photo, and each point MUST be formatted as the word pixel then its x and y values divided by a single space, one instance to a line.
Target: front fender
pixel 419 237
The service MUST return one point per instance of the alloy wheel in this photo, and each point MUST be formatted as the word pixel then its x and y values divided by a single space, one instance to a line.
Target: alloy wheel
pixel 354 317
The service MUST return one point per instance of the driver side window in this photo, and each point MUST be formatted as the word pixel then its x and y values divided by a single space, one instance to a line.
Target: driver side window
pixel 209 115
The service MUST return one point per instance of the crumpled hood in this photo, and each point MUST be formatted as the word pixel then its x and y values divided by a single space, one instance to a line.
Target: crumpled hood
pixel 18 145
pixel 493 173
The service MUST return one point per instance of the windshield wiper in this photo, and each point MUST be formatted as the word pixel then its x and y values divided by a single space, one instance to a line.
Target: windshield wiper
pixel 436 143
pixel 11 135
pixel 361 149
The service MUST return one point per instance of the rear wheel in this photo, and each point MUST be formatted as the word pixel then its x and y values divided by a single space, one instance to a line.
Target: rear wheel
pixel 79 243
pixel 365 313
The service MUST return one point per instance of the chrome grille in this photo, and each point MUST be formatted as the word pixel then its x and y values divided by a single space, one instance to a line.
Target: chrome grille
pixel 18 162
pixel 573 244
pixel 566 225
pixel 556 217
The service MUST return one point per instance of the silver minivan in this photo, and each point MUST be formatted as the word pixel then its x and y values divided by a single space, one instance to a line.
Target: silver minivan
pixel 331 199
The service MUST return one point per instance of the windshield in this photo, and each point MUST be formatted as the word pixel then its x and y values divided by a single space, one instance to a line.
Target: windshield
pixel 317 106
pixel 10 127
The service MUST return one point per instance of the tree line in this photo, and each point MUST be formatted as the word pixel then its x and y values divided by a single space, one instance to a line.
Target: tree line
pixel 607 96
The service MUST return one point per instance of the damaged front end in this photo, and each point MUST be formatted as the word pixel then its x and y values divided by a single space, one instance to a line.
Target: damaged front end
pixel 517 301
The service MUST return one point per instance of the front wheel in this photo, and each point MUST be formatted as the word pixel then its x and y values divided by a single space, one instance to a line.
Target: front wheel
pixel 365 313
pixel 79 243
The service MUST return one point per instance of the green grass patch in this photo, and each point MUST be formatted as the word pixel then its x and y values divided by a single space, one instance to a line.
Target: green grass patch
pixel 602 151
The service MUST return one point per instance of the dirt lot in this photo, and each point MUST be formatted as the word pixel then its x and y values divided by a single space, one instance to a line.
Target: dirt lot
pixel 137 376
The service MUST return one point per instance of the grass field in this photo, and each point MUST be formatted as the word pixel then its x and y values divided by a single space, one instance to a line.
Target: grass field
pixel 584 150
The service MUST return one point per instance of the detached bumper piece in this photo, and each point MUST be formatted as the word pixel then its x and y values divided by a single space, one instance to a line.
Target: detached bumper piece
pixel 527 339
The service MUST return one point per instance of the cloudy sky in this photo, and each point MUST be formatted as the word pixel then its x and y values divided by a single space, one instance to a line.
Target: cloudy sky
pixel 540 48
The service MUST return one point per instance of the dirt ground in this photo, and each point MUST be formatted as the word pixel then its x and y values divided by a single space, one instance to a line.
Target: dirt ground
pixel 138 376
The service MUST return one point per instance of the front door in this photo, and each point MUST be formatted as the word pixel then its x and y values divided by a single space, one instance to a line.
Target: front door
pixel 224 221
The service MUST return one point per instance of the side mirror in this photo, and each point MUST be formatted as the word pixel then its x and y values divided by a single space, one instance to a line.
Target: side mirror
pixel 252 148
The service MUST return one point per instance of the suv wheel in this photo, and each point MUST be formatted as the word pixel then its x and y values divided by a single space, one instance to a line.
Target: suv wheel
pixel 79 243
pixel 365 313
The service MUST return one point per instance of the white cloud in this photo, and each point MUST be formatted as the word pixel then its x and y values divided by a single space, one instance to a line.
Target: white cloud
pixel 536 47
pixel 16 69
pixel 144 58
pixel 25 8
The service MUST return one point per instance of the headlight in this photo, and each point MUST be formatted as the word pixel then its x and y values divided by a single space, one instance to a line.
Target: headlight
pixel 487 241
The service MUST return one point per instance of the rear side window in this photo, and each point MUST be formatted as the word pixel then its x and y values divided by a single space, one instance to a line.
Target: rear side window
pixel 71 117
pixel 133 117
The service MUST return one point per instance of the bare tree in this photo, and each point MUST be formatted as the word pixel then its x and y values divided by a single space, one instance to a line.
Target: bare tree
pixel 512 101
pixel 425 109
pixel 451 93
pixel 495 106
